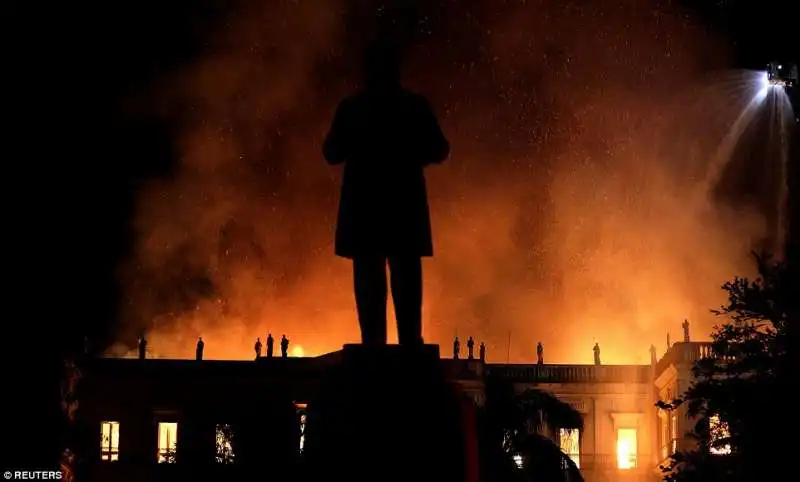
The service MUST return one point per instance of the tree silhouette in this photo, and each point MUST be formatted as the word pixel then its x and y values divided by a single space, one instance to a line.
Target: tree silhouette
pixel 169 456
pixel 513 442
pixel 737 396
pixel 69 405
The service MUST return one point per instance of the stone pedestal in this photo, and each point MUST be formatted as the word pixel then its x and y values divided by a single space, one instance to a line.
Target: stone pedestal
pixel 386 414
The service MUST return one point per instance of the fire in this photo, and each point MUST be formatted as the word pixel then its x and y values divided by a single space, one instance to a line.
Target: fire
pixel 565 215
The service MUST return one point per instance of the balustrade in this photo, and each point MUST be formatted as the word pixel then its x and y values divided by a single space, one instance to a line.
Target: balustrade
pixel 607 462
pixel 684 352
pixel 573 373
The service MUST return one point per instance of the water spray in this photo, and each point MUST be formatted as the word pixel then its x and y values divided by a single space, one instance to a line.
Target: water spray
pixel 767 90
pixel 781 75
pixel 760 89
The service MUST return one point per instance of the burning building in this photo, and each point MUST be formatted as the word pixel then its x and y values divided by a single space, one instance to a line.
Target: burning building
pixel 156 419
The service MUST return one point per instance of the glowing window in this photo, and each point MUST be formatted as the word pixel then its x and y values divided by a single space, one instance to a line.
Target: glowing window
pixel 626 448
pixel 167 442
pixel 302 418
pixel 569 441
pixel 718 429
pixel 665 438
pixel 674 445
pixel 109 441
pixel 224 444
pixel 302 431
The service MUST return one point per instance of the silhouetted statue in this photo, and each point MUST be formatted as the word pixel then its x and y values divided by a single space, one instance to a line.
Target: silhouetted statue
pixel 258 348
pixel 284 346
pixel 142 347
pixel 270 345
pixel 198 351
pixel 470 348
pixel 685 327
pixel 482 352
pixel 596 350
pixel 539 354
pixel 653 358
pixel 456 348
pixel 385 136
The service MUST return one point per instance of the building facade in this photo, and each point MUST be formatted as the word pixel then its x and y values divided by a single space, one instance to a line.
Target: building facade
pixel 137 417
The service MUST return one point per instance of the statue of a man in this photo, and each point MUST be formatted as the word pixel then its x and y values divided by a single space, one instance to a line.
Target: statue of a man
pixel 385 136
pixel 284 346
pixel 142 347
pixel 685 327
pixel 198 351
pixel 257 347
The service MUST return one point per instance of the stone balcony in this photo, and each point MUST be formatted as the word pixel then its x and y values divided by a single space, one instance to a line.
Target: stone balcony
pixel 684 353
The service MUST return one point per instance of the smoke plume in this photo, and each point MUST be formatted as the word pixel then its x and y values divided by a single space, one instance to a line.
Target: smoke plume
pixel 568 212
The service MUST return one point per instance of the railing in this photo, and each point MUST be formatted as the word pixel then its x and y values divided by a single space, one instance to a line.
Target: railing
pixel 608 462
pixel 684 353
pixel 462 369
pixel 572 373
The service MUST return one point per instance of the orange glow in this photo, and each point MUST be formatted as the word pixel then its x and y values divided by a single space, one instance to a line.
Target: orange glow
pixel 572 210
pixel 298 351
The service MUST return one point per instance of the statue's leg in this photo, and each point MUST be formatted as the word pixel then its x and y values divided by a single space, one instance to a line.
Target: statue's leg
pixel 406 280
pixel 369 279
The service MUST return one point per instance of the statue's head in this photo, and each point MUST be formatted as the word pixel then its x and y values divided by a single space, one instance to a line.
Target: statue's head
pixel 382 64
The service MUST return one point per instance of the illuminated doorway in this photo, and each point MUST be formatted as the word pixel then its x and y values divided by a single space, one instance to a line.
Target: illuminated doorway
pixel 626 448
pixel 167 442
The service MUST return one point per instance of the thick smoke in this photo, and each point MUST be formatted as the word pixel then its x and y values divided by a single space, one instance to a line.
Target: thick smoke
pixel 567 213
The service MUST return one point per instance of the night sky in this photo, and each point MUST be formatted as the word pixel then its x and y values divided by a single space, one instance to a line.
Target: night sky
pixel 153 139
